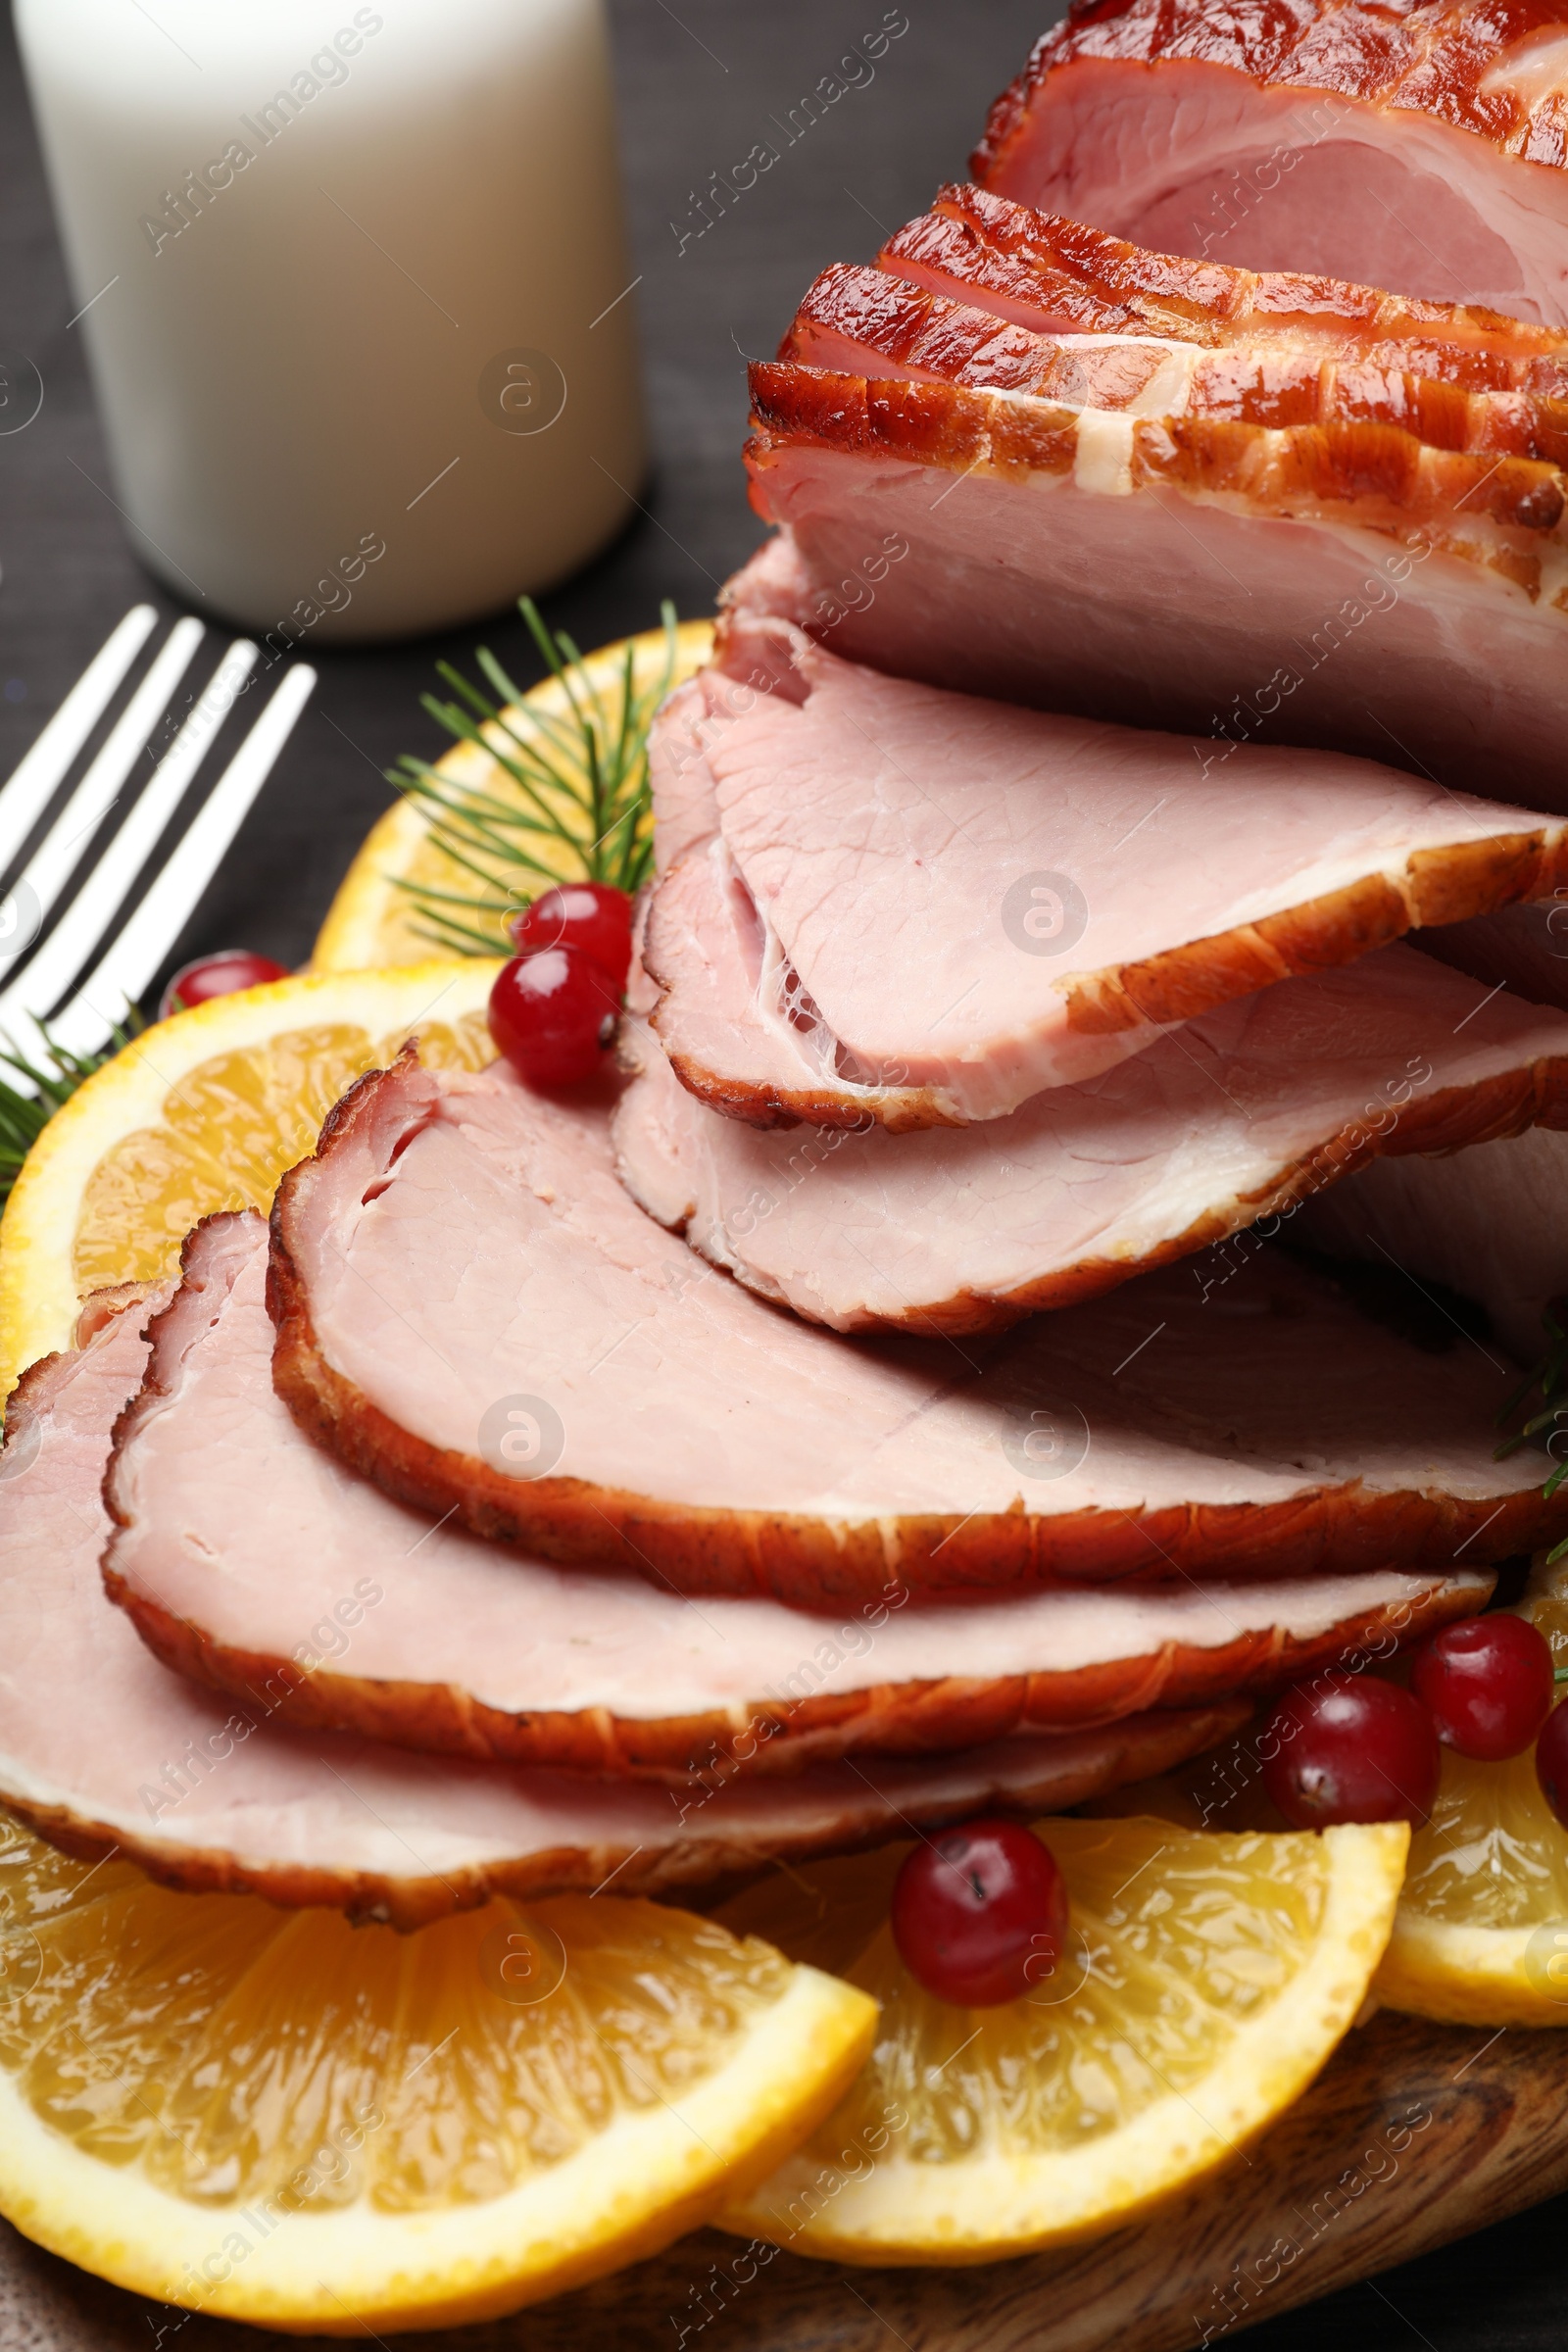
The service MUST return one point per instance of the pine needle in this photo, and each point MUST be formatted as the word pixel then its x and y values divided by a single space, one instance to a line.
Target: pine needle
pixel 580 807
pixel 23 1117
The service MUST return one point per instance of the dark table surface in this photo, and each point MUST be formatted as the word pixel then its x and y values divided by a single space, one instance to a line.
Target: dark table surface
pixel 694 87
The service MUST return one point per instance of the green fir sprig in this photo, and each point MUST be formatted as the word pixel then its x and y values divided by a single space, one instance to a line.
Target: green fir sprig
pixel 24 1117
pixel 580 809
pixel 1548 1380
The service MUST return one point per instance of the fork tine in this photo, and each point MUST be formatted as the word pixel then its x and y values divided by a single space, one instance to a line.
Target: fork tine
pixel 81 931
pixel 26 790
pixel 123 974
pixel 49 867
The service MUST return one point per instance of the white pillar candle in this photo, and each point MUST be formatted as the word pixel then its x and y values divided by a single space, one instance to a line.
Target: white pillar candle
pixel 356 297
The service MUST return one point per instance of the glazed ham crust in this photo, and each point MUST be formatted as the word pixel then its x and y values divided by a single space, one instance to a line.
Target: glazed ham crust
pixel 1422 146
pixel 1438 58
pixel 713 1443
pixel 1063 276
pixel 1027 459
pixel 102 1749
pixel 1373 475
pixel 236 1535
pixel 860 321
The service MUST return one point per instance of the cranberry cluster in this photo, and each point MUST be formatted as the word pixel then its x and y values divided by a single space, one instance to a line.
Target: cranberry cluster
pixel 980 1913
pixel 1349 1747
pixel 553 1008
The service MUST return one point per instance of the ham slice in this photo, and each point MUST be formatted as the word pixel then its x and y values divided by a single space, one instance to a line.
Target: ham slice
pixel 1061 276
pixel 103 1750
pixel 248 1556
pixel 1345 584
pixel 1422 147
pixel 893 901
pixel 1226 1120
pixel 865 322
pixel 471 1310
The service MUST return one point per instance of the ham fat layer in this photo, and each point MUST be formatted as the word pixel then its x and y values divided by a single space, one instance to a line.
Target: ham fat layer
pixel 459 1272
pixel 881 900
pixel 1423 147
pixel 1231 1117
pixel 247 1555
pixel 104 1750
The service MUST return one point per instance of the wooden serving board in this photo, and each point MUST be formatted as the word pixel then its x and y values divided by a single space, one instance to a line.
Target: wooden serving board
pixel 1414 2135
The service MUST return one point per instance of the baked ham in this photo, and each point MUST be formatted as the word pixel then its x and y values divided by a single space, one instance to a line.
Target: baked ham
pixel 1424 146
pixel 862 321
pixel 1061 276
pixel 1226 1120
pixel 883 899
pixel 1342 583
pixel 103 1750
pixel 473 1310
pixel 248 1557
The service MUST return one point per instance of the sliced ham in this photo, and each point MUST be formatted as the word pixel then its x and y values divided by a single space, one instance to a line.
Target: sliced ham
pixel 1063 276
pixel 1423 147
pixel 104 1750
pixel 894 902
pixel 473 1310
pixel 1343 584
pixel 1221 1121
pixel 248 1556
pixel 865 322
pixel 1489 1223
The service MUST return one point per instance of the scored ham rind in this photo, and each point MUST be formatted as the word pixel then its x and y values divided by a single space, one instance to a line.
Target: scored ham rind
pixel 249 1557
pixel 1342 585
pixel 860 321
pixel 459 1272
pixel 894 902
pixel 1422 147
pixel 1229 1118
pixel 104 1750
pixel 1063 276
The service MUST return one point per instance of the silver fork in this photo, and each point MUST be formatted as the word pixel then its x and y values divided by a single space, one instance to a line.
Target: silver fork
pixel 82 1015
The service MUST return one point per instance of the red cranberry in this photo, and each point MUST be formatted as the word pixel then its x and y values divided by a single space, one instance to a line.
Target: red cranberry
pixel 1489 1682
pixel 589 916
pixel 1552 1762
pixel 218 975
pixel 1348 1747
pixel 980 1914
pixel 552 1015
